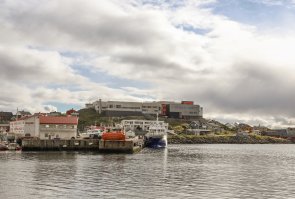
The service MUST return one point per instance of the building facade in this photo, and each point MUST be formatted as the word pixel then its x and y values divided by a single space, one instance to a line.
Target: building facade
pixel 21 114
pixel 5 116
pixel 58 127
pixel 141 124
pixel 17 127
pixel 4 128
pixel 46 127
pixel 183 110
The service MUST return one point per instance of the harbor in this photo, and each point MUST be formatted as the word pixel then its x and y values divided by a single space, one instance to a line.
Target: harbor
pixel 127 127
pixel 129 136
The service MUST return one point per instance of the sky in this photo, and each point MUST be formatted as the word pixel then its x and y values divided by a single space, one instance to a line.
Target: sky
pixel 233 57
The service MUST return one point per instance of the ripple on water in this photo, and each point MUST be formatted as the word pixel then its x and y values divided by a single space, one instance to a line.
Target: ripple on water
pixel 181 171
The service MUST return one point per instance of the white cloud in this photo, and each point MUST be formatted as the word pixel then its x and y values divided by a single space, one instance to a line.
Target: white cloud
pixel 228 67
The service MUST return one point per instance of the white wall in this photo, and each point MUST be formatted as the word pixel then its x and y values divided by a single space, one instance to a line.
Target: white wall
pixel 17 127
pixel 32 126
pixel 61 131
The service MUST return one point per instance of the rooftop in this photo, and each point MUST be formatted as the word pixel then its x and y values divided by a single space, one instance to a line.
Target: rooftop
pixel 58 120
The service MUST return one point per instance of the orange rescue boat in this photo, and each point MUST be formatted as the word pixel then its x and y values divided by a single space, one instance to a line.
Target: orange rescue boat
pixel 114 135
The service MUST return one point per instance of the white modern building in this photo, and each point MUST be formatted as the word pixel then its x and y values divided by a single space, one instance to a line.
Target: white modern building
pixel 185 109
pixel 141 107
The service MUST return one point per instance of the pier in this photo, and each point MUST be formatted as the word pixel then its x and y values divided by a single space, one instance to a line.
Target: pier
pixel 108 146
pixel 127 146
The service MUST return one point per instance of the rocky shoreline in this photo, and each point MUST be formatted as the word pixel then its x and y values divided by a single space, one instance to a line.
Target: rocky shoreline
pixel 226 139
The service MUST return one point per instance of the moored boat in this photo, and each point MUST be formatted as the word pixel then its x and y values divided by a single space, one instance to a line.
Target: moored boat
pixel 3 147
pixel 92 134
pixel 13 146
pixel 154 131
pixel 156 136
pixel 116 134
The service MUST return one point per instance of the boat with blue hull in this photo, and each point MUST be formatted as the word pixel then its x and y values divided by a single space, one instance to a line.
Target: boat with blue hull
pixel 156 136
pixel 154 131
pixel 156 142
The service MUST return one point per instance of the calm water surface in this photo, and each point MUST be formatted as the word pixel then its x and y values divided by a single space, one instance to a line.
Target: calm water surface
pixel 181 171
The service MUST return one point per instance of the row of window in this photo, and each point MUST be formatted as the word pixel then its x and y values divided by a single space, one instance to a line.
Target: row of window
pixel 146 110
pixel 120 106
pixel 150 107
pixel 51 135
pixel 59 126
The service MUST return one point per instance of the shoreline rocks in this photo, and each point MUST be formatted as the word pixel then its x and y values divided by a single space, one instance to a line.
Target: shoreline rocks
pixel 225 139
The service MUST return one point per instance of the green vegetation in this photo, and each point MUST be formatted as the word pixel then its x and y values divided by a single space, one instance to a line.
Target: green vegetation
pixel 88 117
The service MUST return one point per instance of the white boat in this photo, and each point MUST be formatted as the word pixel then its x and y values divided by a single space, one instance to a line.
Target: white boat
pixel 3 147
pixel 92 134
pixel 155 131
pixel 13 146
pixel 157 135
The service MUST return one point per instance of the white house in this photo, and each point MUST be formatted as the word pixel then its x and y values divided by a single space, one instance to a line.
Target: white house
pixel 45 127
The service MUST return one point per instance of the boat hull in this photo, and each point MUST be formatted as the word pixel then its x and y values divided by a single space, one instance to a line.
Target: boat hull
pixel 3 147
pixel 156 142
pixel 113 136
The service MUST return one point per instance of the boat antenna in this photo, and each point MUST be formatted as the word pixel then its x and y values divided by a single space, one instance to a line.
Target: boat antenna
pixel 16 113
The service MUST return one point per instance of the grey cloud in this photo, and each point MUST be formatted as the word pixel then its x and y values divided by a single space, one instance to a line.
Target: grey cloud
pixel 153 66
pixel 14 69
pixel 180 65
pixel 252 90
pixel 83 26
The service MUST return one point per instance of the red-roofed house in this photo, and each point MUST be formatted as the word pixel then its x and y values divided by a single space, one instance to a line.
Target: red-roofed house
pixel 46 127
pixel 58 127
pixel 72 112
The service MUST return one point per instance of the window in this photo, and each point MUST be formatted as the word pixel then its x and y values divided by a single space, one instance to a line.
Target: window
pixel 65 126
pixel 118 106
pixel 56 126
pixel 47 126
pixel 111 106
pixel 46 135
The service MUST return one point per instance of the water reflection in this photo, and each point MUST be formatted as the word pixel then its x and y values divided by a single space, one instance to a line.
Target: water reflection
pixel 181 171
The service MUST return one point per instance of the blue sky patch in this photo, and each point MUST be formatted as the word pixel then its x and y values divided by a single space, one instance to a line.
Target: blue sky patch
pixel 254 12
pixel 62 107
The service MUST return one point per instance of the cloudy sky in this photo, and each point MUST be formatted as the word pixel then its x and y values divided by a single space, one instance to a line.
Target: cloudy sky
pixel 234 58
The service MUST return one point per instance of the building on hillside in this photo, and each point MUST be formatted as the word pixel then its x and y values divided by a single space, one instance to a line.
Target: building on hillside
pixel 45 127
pixel 151 108
pixel 21 114
pixel 72 112
pixel 244 127
pixel 17 127
pixel 117 108
pixel 4 128
pixel 183 110
pixel 198 132
pixel 54 113
pixel 141 124
pixel 275 133
pixel 5 116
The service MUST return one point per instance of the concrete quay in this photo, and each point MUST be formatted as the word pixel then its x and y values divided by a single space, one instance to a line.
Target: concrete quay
pixel 121 146
pixel 105 146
